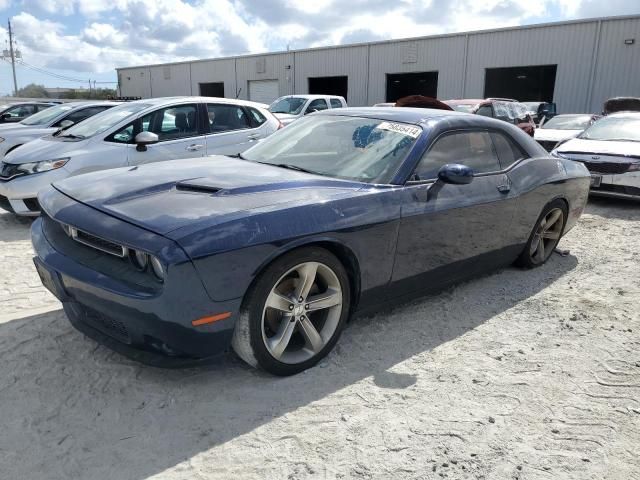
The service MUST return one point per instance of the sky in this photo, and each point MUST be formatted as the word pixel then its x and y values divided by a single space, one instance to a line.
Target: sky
pixel 66 43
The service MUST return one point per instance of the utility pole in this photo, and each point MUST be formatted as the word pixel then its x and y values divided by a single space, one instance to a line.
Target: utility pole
pixel 13 61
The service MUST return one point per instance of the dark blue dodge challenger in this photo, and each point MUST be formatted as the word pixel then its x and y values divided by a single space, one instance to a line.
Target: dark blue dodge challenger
pixel 271 252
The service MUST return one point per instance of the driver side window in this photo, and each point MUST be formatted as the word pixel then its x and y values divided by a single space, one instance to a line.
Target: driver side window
pixel 473 149
pixel 317 105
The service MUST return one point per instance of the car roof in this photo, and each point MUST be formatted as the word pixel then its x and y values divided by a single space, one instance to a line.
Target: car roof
pixel 89 103
pixel 160 101
pixel 630 114
pixel 466 101
pixel 396 114
pixel 311 96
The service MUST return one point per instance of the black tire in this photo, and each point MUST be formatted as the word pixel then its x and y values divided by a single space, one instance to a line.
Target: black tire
pixel 527 258
pixel 248 338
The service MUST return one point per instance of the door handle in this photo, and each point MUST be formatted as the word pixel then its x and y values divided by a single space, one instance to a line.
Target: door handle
pixel 254 136
pixel 194 147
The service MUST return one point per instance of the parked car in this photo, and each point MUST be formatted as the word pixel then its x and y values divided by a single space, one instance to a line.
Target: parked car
pixel 291 107
pixel 271 252
pixel 133 133
pixel 562 127
pixel 610 149
pixel 51 120
pixel 621 104
pixel 505 110
pixel 541 111
pixel 16 112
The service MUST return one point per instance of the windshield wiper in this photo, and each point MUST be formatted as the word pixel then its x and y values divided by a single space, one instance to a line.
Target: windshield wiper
pixel 237 155
pixel 294 167
pixel 71 135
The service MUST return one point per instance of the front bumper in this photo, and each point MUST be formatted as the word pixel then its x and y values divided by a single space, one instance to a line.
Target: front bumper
pixel 624 185
pixel 153 327
pixel 19 195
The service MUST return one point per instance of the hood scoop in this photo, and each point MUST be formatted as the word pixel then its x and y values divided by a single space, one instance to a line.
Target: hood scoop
pixel 197 187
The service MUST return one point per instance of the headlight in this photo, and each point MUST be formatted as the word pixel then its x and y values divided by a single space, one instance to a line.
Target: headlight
pixel 43 166
pixel 635 167
pixel 139 259
pixel 157 268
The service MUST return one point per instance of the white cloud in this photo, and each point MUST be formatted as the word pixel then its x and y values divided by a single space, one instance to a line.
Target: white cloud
pixel 133 32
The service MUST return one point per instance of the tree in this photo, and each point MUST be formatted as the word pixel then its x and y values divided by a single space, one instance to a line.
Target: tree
pixel 32 91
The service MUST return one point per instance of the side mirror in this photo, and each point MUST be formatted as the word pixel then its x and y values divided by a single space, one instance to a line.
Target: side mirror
pixel 143 139
pixel 455 173
pixel 6 116
pixel 64 124
pixel 310 110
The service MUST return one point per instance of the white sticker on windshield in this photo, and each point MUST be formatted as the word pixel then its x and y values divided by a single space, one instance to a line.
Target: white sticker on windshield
pixel 402 128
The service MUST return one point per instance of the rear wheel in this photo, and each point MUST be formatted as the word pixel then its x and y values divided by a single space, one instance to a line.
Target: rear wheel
pixel 545 235
pixel 293 315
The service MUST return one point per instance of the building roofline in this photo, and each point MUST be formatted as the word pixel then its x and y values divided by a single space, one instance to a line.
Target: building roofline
pixel 395 40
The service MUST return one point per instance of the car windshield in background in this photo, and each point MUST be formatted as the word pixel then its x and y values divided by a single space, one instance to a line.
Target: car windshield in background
pixel 353 148
pixel 464 108
pixel 569 122
pixel 103 121
pixel 292 105
pixel 46 116
pixel 614 128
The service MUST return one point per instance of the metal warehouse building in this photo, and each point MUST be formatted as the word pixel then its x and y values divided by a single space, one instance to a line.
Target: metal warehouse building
pixel 577 64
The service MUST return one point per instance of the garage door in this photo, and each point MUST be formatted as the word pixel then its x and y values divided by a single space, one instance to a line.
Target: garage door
pixel 263 91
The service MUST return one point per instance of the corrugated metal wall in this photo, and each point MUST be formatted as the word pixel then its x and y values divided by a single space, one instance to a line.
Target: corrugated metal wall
pixel 593 65
pixel 617 71
pixel 349 61
pixel 568 46
pixel 266 67
pixel 444 55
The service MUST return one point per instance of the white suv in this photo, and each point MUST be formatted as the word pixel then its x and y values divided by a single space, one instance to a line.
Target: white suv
pixel 133 133
pixel 291 107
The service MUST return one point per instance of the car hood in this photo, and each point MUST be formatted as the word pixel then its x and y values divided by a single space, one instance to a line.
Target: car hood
pixel 17 129
pixel 167 196
pixel 582 146
pixel 285 118
pixel 40 149
pixel 550 134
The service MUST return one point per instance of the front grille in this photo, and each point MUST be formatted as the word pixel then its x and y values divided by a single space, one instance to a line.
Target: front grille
pixel 98 243
pixel 547 144
pixel 607 168
pixel 4 203
pixel 110 265
pixel 9 171
pixel 107 325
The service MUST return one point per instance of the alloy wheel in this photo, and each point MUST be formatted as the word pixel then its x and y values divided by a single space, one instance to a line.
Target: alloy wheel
pixel 302 312
pixel 547 236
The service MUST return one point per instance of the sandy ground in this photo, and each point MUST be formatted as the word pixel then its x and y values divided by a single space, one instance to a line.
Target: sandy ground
pixel 517 375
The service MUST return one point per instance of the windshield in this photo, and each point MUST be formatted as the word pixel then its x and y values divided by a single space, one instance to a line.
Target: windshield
pixel 292 105
pixel 570 122
pixel 465 108
pixel 104 121
pixel 46 116
pixel 353 148
pixel 614 128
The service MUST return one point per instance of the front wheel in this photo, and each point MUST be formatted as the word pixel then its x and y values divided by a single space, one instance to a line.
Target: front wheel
pixel 293 315
pixel 545 235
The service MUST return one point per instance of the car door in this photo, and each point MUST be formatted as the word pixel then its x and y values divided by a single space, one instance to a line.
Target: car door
pixel 447 231
pixel 316 105
pixel 179 134
pixel 17 113
pixel 230 129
